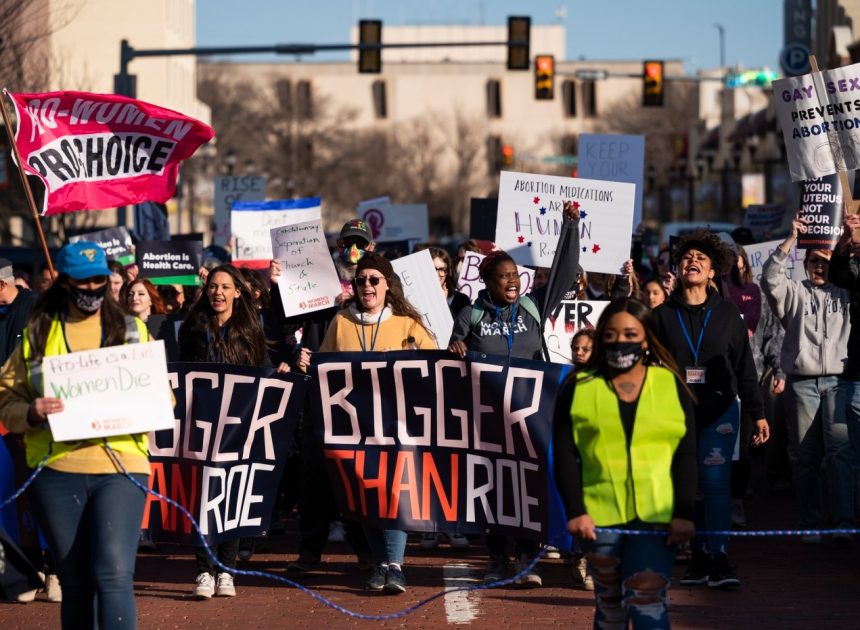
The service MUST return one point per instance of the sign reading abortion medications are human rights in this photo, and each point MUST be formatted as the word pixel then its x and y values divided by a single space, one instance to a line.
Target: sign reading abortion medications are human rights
pixel 109 391
pixel 421 287
pixel 231 189
pixel 470 280
pixel 252 223
pixel 820 118
pixel 308 280
pixel 170 262
pixel 115 241
pixel 530 217
pixel 616 158
pixel 821 211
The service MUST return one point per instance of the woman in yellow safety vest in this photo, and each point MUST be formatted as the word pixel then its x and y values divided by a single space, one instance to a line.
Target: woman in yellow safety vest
pixel 625 458
pixel 88 510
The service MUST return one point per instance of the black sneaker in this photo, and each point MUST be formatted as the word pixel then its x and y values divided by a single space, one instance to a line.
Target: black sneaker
pixel 395 583
pixel 722 575
pixel 377 578
pixel 497 569
pixel 697 572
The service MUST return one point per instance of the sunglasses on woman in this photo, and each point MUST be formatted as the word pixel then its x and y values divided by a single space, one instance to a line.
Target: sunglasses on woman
pixel 362 280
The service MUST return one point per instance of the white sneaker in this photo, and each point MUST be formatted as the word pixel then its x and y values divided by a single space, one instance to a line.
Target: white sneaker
pixel 28 596
pixel 552 553
pixel 225 586
pixel 429 541
pixel 52 587
pixel 458 541
pixel 530 579
pixel 336 532
pixel 205 587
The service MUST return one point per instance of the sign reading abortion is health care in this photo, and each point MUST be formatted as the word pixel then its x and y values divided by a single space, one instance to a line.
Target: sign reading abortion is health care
pixel 170 262
pixel 530 218
pixel 109 391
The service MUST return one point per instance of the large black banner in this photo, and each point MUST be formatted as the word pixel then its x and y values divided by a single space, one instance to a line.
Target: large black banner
pixel 224 457
pixel 424 441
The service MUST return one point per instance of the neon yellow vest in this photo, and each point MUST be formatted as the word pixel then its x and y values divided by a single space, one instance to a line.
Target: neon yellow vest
pixel 621 484
pixel 39 442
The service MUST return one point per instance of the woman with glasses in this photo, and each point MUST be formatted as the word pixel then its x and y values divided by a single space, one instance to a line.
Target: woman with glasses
pixel 377 318
pixel 445 273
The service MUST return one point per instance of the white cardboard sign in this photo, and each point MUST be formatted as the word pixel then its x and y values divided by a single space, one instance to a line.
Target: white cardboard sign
pixel 470 280
pixel 421 287
pixel 109 391
pixel 614 157
pixel 760 252
pixel 228 190
pixel 308 280
pixel 395 222
pixel 252 224
pixel 572 316
pixel 529 219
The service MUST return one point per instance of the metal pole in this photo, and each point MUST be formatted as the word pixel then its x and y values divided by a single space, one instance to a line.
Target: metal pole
pixel 722 31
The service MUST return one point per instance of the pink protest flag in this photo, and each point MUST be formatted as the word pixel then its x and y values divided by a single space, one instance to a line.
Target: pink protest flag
pixel 97 151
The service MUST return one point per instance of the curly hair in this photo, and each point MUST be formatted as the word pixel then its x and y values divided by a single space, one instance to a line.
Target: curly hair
pixel 493 261
pixel 709 243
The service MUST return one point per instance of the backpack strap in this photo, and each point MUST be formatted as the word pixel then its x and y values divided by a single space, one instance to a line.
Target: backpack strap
pixel 529 306
pixel 476 315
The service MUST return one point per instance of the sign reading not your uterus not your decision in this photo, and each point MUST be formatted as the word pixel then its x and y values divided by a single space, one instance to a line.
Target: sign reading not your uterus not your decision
pixel 821 211
pixel 530 217
pixel 308 280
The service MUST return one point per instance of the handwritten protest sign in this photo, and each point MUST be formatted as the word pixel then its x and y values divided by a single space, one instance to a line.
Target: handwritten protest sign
pixel 223 461
pixel 760 252
pixel 109 391
pixel 231 189
pixel 421 287
pixel 308 280
pixel 390 222
pixel 818 116
pixel 115 241
pixel 252 223
pixel 821 211
pixel 470 281
pixel 764 219
pixel 570 317
pixel 170 262
pixel 530 217
pixel 617 158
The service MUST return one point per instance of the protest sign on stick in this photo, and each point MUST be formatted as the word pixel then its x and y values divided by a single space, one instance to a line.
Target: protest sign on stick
pixel 421 287
pixel 117 390
pixel 170 262
pixel 252 223
pixel 614 157
pixel 470 281
pixel 530 218
pixel 821 207
pixel 764 219
pixel 308 280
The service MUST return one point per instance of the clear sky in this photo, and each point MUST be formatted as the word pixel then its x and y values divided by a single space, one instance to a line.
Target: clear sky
pixel 596 29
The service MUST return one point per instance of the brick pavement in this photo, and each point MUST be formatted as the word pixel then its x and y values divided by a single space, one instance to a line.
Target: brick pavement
pixel 785 585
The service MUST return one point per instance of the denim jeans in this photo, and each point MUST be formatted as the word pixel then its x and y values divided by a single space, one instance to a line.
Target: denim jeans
pixel 92 525
pixel 715 444
pixel 631 578
pixel 818 431
pixel 386 545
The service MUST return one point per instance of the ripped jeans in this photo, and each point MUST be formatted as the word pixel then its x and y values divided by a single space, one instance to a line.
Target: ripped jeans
pixel 631 578
pixel 715 445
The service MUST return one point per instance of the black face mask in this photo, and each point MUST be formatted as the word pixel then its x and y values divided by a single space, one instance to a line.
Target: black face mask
pixel 622 356
pixel 86 300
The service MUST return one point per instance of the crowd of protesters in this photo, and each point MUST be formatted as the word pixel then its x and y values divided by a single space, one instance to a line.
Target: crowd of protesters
pixel 692 363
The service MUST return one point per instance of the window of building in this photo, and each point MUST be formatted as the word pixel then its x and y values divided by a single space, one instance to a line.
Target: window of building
pixel 494 153
pixel 570 144
pixel 380 105
pixel 494 98
pixel 305 100
pixel 589 99
pixel 568 92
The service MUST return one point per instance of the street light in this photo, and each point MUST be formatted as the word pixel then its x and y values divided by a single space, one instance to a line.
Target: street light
pixel 722 31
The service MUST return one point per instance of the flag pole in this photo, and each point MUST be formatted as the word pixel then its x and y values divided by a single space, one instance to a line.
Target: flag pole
pixel 26 184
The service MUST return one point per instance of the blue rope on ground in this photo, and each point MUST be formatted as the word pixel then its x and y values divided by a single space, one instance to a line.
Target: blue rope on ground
pixel 421 603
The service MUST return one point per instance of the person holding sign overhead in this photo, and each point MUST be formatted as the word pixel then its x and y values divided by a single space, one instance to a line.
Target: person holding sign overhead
pixel 223 326
pixel 89 511
pixel 377 319
pixel 709 342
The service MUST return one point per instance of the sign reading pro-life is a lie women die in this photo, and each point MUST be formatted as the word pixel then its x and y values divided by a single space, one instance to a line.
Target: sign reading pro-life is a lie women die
pixel 531 215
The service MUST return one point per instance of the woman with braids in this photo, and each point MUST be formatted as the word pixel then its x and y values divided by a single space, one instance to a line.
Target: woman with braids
pixel 625 457
pixel 377 318
pixel 710 343
pixel 89 511
pixel 223 326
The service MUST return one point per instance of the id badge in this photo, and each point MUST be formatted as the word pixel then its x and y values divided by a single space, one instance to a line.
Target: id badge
pixel 695 376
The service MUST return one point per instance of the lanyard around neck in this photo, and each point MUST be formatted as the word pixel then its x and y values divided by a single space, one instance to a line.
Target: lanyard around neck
pixel 510 334
pixel 698 347
pixel 374 335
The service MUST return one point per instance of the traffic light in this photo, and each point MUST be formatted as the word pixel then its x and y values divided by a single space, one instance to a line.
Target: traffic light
pixel 652 85
pixel 544 77
pixel 507 155
pixel 370 59
pixel 519 30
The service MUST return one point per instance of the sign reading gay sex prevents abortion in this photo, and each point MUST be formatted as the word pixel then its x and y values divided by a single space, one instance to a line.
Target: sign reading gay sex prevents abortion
pixel 96 151
pixel 170 262
pixel 530 216
pixel 423 441
pixel 109 391
pixel 820 118
pixel 252 223
pixel 223 454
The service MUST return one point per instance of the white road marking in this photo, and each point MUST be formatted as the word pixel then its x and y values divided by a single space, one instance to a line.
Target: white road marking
pixel 461 607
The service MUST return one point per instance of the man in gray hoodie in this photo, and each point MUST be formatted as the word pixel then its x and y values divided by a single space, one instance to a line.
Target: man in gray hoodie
pixel 815 314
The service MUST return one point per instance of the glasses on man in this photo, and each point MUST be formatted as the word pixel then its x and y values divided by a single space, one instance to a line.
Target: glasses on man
pixel 441 270
pixel 362 280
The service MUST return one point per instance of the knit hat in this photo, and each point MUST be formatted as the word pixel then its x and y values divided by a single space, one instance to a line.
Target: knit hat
pixel 372 260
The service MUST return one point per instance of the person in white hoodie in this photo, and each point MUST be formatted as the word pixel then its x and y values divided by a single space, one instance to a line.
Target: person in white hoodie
pixel 815 314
